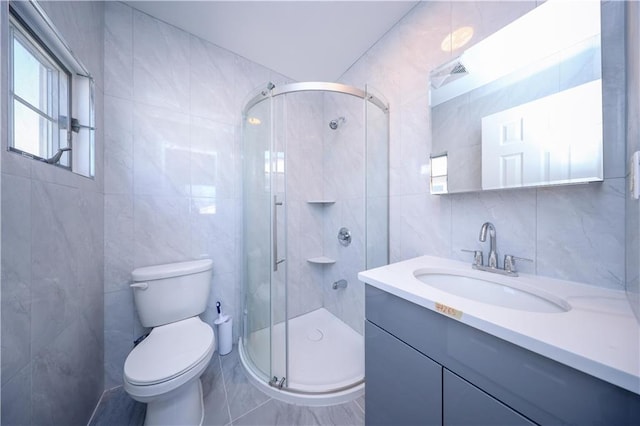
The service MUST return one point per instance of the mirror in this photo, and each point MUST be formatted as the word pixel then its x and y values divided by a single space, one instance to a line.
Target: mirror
pixel 523 107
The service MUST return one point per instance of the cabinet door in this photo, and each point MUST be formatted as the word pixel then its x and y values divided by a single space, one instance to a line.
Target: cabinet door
pixel 466 405
pixel 403 387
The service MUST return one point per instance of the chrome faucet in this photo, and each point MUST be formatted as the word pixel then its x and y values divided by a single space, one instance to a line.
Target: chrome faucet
pixel 492 261
pixel 509 267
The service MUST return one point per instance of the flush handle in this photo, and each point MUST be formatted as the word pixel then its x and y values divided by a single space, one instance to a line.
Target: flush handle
pixel 140 286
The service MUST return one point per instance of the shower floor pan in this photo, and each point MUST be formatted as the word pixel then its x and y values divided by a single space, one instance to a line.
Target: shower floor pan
pixel 326 359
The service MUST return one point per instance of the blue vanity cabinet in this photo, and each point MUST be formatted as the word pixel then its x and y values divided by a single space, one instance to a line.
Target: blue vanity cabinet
pixel 403 387
pixel 466 405
pixel 498 377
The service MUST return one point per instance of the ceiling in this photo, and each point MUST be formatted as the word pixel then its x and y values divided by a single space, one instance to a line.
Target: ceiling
pixel 305 40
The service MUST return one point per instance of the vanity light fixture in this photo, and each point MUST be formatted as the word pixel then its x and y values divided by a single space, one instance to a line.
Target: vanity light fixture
pixel 254 121
pixel 456 39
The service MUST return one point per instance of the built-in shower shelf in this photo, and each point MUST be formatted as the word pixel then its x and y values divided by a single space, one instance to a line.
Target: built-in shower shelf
pixel 322 260
pixel 325 202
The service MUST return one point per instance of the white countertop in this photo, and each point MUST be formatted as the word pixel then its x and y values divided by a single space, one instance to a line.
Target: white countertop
pixel 599 335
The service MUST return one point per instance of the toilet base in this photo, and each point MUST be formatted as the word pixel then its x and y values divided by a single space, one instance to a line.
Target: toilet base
pixel 184 406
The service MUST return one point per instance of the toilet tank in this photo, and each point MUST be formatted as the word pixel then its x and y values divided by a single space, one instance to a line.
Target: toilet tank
pixel 172 292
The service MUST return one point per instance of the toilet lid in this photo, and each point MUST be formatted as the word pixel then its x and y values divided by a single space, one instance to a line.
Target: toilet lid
pixel 169 351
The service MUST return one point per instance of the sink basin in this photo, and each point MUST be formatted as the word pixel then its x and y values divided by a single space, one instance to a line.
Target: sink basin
pixel 503 292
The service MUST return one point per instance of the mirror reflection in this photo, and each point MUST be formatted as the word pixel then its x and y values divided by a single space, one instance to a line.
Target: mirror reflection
pixel 523 107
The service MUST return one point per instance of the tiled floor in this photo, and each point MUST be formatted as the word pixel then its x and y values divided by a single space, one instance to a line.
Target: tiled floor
pixel 230 399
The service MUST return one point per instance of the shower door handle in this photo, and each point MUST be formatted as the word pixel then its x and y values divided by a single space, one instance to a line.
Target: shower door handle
pixel 276 261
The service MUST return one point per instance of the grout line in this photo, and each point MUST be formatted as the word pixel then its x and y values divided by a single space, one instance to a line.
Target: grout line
pixel 358 404
pixel 95 409
pixel 253 409
pixel 224 386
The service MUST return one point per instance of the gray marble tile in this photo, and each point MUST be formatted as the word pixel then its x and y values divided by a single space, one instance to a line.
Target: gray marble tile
pixel 212 76
pixel 55 376
pixel 89 384
pixel 429 23
pixel 55 290
pixel 118 146
pixel 118 50
pixel 88 250
pixel 214 160
pixel 156 80
pixel 344 151
pixel 241 395
pixel 16 337
pixel 513 213
pixel 161 149
pixel 278 413
pixel 360 402
pixel 580 233
pixel 250 77
pixel 425 225
pixel 16 238
pixel 116 407
pixel 161 230
pixel 14 163
pixel 82 27
pixel 216 408
pixel 118 334
pixel 118 241
pixel 410 176
pixel 16 398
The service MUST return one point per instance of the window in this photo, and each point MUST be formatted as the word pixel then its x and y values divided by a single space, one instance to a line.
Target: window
pixel 50 94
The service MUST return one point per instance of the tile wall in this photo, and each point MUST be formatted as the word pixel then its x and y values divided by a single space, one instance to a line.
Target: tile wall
pixel 52 263
pixel 172 179
pixel 343 159
pixel 571 232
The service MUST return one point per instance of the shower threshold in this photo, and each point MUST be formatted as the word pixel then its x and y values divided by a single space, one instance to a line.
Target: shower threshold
pixel 326 360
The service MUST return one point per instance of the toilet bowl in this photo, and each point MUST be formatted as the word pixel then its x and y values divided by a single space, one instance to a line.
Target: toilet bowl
pixel 164 369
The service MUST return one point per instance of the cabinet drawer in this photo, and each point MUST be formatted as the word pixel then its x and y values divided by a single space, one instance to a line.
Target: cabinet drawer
pixel 466 405
pixel 403 387
pixel 543 390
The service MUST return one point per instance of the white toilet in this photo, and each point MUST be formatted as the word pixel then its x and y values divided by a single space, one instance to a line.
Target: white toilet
pixel 164 370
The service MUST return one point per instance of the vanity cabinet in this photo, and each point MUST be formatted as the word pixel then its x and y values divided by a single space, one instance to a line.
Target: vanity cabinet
pixel 467 405
pixel 483 379
pixel 408 383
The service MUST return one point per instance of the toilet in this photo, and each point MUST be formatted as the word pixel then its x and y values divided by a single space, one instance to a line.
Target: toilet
pixel 164 369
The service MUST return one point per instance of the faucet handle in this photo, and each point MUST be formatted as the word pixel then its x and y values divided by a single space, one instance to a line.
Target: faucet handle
pixel 510 262
pixel 477 256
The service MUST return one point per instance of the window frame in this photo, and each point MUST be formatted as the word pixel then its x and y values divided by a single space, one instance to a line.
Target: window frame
pixel 76 122
pixel 20 31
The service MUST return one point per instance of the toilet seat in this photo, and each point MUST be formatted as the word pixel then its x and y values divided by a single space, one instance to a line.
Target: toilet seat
pixel 168 352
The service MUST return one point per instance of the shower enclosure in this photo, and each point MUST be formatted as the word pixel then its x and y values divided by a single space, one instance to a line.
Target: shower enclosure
pixel 315 213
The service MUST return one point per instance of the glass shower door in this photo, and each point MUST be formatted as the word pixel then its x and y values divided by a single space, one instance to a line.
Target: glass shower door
pixel 279 324
pixel 263 274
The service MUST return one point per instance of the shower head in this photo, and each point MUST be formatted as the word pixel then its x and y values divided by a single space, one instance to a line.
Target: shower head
pixel 333 124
